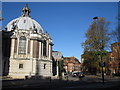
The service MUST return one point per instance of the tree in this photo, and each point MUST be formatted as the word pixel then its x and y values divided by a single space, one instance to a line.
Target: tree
pixel 115 37
pixel 90 62
pixel 115 34
pixel 60 65
pixel 97 38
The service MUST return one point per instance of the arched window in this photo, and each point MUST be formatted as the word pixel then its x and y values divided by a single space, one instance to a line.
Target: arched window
pixel 22 45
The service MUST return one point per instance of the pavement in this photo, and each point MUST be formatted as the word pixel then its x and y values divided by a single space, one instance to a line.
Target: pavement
pixel 89 81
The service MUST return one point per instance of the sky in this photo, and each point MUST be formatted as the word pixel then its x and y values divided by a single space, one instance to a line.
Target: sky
pixel 66 22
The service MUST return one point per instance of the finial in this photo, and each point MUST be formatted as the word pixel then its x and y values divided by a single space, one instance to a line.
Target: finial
pixel 26 5
pixel 25 11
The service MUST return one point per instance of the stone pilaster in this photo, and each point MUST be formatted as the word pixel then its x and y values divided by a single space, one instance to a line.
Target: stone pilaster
pixel 47 48
pixel 50 50
pixel 51 68
pixel 40 45
pixel 31 49
pixel 12 47
pixel 57 68
pixel 41 50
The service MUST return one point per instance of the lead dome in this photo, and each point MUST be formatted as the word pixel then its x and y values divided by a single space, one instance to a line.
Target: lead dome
pixel 24 22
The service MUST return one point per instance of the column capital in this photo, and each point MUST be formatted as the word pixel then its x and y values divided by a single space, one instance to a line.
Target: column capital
pixel 51 44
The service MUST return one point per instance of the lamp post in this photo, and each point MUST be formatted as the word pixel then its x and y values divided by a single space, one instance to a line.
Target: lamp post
pixel 102 64
pixel 1 18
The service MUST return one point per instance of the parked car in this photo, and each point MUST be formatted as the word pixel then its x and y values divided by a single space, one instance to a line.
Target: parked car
pixel 81 74
pixel 78 74
pixel 74 74
pixel 117 74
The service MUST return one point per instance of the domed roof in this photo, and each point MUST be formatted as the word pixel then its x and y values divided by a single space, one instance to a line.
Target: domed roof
pixel 24 22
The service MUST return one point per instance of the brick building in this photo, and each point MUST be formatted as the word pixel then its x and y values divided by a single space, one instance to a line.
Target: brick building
pixel 72 64
pixel 114 58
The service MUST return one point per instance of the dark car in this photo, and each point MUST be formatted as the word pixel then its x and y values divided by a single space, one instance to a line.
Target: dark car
pixel 81 74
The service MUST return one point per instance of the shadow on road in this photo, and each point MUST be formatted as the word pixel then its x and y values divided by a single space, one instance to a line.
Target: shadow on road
pixel 60 84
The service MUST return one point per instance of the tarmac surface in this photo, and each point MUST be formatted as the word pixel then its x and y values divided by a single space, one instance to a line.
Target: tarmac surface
pixel 88 82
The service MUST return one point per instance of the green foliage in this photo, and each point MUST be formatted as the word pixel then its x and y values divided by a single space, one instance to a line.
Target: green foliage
pixel 101 53
pixel 97 36
pixel 60 65
pixel 91 61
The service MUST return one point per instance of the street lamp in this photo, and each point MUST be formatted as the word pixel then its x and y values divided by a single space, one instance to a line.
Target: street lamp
pixel 101 53
pixel 95 18
pixel 102 64
pixel 1 18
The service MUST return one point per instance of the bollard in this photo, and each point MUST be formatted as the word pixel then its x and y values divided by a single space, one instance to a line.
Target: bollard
pixel 67 78
pixel 50 79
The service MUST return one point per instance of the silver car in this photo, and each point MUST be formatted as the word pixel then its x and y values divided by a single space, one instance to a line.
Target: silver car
pixel 78 74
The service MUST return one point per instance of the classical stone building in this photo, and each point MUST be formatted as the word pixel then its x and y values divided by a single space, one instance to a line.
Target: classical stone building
pixel 27 50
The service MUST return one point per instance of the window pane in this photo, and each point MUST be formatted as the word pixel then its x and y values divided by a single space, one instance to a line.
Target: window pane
pixel 44 66
pixel 22 45
pixel 20 66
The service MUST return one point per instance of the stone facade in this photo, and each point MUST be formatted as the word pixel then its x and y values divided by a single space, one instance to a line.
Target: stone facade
pixel 57 56
pixel 27 50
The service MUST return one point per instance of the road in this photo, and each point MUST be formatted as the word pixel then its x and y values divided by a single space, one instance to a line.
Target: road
pixel 95 82
pixel 89 81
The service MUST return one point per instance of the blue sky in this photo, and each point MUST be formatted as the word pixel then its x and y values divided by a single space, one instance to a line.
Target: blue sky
pixel 65 21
